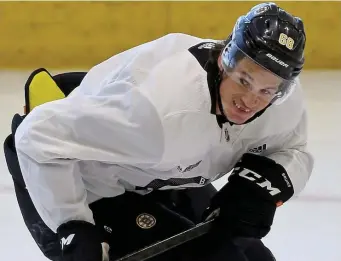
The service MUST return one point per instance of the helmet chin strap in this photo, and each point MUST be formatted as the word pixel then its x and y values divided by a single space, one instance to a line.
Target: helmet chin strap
pixel 219 101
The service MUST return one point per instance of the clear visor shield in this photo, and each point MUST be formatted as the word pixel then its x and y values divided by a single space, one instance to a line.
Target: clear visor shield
pixel 248 77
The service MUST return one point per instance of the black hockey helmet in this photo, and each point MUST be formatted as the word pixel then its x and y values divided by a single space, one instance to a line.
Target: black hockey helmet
pixel 272 38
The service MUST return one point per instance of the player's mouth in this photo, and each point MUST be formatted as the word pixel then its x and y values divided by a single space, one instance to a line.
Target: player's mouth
pixel 241 108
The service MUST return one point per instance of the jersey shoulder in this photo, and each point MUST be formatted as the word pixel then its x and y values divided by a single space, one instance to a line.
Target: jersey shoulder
pixel 136 63
pixel 179 82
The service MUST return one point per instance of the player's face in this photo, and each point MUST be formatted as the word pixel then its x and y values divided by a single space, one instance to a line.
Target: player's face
pixel 246 90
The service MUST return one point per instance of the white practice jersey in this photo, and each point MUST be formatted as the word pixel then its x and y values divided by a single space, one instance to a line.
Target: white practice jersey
pixel 142 120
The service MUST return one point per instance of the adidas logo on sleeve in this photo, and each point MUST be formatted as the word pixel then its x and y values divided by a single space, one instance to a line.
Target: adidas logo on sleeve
pixel 259 149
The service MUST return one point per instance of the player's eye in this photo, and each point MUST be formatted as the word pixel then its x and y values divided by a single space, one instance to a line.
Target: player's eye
pixel 245 83
pixel 268 92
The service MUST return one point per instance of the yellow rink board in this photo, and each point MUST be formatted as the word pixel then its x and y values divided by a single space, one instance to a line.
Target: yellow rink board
pixel 81 34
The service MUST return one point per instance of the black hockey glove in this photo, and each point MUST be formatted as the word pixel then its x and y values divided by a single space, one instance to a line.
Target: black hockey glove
pixel 81 240
pixel 248 202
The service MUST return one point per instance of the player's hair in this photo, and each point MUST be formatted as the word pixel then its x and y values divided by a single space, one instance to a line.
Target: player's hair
pixel 216 50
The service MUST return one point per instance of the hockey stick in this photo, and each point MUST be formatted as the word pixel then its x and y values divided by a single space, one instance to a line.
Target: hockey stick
pixel 169 243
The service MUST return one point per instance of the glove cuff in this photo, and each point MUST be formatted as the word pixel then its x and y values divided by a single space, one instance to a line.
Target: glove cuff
pixel 75 225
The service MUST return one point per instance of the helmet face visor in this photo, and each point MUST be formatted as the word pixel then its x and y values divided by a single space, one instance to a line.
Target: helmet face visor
pixel 250 77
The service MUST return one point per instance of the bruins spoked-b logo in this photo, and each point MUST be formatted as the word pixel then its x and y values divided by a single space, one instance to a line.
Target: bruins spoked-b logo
pixel 145 221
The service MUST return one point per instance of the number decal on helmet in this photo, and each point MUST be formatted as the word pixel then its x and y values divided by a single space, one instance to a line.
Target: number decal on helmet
pixel 287 41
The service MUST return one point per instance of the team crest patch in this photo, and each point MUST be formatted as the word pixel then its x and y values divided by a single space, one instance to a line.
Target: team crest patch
pixel 145 221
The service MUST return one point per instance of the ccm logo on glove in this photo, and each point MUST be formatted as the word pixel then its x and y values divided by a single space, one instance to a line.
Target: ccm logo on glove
pixel 260 181
pixel 267 174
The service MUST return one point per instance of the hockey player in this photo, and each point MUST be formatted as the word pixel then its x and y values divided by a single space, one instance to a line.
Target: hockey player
pixel 128 157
